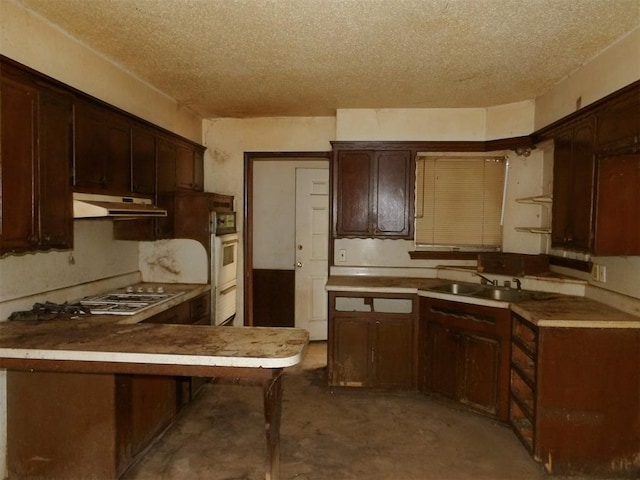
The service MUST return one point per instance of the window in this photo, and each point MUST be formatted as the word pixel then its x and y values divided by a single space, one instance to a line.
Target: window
pixel 459 202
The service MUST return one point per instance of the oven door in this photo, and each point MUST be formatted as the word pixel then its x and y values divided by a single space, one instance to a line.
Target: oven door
pixel 226 268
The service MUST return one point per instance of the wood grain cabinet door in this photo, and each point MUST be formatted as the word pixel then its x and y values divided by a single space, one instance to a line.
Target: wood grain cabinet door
pixel 353 193
pixel 18 166
pixel 393 205
pixel 373 194
pixel 573 185
pixel 618 206
pixel 55 151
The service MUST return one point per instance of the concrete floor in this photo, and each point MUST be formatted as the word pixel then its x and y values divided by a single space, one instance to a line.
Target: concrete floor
pixel 334 434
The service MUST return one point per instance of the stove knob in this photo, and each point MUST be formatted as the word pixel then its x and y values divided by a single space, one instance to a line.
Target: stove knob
pixel 140 290
pixel 129 289
pixel 149 289
pixel 160 289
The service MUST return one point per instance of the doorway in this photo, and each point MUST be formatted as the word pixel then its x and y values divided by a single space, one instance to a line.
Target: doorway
pixel 271 247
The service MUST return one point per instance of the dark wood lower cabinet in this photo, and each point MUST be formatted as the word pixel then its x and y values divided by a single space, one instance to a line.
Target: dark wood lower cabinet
pixel 67 425
pixel 466 354
pixel 77 426
pixel 372 340
pixel 575 398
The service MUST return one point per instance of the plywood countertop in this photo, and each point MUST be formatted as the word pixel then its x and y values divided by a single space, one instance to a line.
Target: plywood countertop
pixel 545 310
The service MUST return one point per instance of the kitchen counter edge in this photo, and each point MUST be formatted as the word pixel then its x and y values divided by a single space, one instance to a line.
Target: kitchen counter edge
pixel 559 311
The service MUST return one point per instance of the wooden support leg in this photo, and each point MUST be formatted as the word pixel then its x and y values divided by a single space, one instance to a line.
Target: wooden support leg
pixel 272 413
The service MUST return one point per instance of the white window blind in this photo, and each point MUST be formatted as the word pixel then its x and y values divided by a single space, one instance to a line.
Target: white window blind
pixel 459 201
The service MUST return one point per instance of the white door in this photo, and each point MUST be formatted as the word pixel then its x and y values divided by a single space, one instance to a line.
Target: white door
pixel 312 235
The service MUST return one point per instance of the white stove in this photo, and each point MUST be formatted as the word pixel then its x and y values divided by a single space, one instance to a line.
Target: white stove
pixel 128 301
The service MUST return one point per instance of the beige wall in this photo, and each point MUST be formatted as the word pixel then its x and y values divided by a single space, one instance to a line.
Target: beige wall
pixel 228 139
pixel 616 67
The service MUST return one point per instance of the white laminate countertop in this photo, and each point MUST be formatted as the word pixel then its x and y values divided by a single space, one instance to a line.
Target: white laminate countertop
pixel 102 340
pixel 124 339
pixel 546 310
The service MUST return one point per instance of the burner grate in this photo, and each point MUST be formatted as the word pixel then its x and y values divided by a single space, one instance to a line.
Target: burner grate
pixel 50 311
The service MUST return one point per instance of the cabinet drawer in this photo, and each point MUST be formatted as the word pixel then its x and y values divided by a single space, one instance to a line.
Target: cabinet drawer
pixel 475 318
pixel 176 315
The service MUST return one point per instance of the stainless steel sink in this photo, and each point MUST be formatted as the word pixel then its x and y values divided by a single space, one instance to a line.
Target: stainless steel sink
pixel 458 288
pixel 503 294
pixel 484 291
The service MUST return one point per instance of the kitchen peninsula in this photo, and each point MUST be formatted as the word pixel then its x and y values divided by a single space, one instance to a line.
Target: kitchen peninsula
pixel 562 370
pixel 100 344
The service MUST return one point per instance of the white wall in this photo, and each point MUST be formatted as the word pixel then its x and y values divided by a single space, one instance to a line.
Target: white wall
pixel 227 140
pixel 616 67
pixel 274 211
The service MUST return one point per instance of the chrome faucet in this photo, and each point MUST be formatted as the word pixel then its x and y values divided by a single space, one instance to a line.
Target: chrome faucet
pixel 518 283
pixel 488 280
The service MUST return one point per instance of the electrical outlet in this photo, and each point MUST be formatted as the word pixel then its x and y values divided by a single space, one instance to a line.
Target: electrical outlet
pixel 595 272
pixel 599 273
pixel 603 273
pixel 342 255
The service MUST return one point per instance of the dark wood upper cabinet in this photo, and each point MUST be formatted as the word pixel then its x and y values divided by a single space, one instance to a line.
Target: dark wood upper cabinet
pixel 189 168
pixel 373 193
pixel 573 186
pixel 618 125
pixel 143 161
pixel 36 165
pixel 617 230
pixel 103 151
pixel 55 153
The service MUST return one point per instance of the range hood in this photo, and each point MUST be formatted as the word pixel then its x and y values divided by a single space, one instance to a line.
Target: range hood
pixel 88 205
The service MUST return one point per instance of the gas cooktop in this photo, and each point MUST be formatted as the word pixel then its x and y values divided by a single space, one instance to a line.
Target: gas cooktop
pixel 129 301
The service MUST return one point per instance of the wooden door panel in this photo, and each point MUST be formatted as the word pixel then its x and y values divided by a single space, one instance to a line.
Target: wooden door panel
pixel 479 383
pixel 392 205
pixel 618 206
pixel 18 166
pixel 55 157
pixel 442 360
pixel 394 353
pixel 351 353
pixel 353 190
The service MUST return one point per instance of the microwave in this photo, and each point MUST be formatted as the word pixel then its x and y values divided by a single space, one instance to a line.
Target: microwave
pixel 224 222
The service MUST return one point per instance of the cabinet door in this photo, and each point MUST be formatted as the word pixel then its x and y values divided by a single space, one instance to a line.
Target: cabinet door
pixel 18 167
pixel 480 357
pixel 103 151
pixel 441 363
pixel 394 354
pixel 618 125
pixel 189 168
pixel 351 362
pixel 54 161
pixel 583 165
pixel 353 191
pixel 573 182
pixel 153 405
pixel 618 206
pixel 143 160
pixel 191 217
pixel 393 205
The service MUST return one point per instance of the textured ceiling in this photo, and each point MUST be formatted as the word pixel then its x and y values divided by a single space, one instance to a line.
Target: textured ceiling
pixel 246 58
